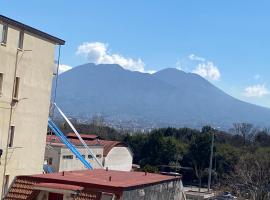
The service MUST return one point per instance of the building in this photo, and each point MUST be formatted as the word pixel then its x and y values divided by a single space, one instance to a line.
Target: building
pixel 27 58
pixel 97 184
pixel 113 155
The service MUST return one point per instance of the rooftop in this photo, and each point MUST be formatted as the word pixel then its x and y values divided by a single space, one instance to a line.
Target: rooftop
pixel 106 178
pixel 107 144
pixel 85 181
pixel 84 136
pixel 32 30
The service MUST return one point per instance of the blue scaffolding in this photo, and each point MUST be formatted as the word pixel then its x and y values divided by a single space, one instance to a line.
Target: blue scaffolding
pixel 69 145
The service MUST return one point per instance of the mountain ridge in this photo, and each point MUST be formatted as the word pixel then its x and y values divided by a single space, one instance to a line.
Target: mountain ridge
pixel 169 97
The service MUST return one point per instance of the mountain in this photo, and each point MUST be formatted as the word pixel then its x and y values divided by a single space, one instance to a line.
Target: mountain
pixel 169 97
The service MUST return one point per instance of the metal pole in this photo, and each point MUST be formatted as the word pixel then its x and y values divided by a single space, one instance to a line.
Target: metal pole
pixel 210 163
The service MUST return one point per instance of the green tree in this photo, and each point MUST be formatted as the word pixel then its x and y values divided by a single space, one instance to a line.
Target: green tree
pixel 199 154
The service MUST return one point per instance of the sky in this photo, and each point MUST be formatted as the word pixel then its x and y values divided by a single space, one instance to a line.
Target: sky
pixel 227 41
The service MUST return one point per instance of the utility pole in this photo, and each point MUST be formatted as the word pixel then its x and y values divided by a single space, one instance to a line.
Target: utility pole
pixel 211 161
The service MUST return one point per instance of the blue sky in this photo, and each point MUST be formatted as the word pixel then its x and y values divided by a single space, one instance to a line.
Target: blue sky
pixel 227 42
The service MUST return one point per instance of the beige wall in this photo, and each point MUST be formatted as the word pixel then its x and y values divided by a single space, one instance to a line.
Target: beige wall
pixel 35 69
pixel 119 158
pixel 59 164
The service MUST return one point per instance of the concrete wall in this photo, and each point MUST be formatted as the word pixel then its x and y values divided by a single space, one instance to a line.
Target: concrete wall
pixel 172 190
pixel 35 69
pixel 60 164
pixel 119 158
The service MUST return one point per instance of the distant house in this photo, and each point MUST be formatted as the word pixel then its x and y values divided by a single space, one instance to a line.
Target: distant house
pixel 97 184
pixel 27 64
pixel 113 155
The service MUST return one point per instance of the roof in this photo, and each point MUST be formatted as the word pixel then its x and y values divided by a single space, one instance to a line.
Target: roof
pixel 22 188
pixel 88 184
pixel 105 178
pixel 30 29
pixel 83 136
pixel 107 145
pixel 26 188
pixel 58 186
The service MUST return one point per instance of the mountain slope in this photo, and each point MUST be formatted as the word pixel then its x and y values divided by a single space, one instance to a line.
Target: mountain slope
pixel 168 97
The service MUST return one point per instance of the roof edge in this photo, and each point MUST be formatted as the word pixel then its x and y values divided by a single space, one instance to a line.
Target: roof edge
pixel 31 30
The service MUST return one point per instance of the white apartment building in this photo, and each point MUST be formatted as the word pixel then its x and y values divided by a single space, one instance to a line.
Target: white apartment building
pixel 26 70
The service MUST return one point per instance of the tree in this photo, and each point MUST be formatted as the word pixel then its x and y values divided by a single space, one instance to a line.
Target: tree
pixel 252 175
pixel 262 138
pixel 199 154
pixel 243 129
pixel 226 158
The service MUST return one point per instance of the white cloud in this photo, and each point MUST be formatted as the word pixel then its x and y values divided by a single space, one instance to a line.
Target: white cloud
pixel 196 58
pixel 63 68
pixel 207 70
pixel 97 52
pixel 150 71
pixel 258 90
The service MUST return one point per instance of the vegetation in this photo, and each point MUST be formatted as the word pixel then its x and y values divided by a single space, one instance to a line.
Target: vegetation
pixel 241 160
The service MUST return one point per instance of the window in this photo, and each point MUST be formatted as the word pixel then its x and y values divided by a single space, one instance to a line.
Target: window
pixel 82 156
pixel 1 82
pixel 3 33
pixel 20 42
pixel 50 161
pixel 98 156
pixel 6 183
pixel 16 88
pixel 90 157
pixel 107 196
pixel 11 136
pixel 67 156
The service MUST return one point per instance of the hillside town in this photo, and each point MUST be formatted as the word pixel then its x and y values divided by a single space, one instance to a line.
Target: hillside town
pixel 48 153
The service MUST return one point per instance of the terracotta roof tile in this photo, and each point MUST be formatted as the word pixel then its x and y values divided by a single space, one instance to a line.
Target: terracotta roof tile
pixel 107 144
pixel 21 189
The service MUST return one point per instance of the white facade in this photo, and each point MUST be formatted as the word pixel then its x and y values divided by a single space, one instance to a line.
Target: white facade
pixel 61 158
pixel 119 158
pixel 26 73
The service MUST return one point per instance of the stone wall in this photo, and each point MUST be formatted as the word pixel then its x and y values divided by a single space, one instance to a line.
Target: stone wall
pixel 172 190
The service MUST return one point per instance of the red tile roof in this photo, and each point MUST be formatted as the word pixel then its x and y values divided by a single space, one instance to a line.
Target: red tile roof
pixel 59 186
pixel 84 136
pixel 24 188
pixel 110 178
pixel 90 183
pixel 21 189
pixel 107 144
